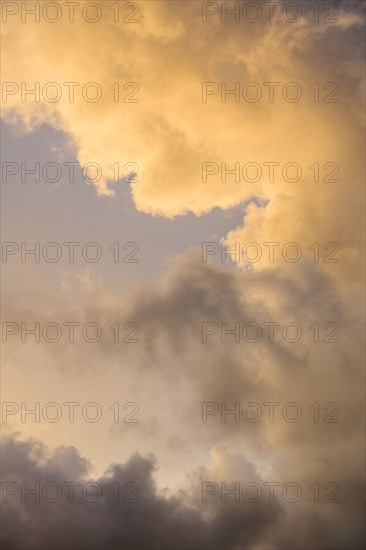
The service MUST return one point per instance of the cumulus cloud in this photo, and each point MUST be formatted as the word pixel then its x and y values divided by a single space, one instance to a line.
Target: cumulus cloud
pixel 170 133
pixel 196 517
pixel 155 521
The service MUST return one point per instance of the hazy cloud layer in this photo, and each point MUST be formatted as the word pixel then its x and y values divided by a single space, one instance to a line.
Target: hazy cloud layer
pixel 171 372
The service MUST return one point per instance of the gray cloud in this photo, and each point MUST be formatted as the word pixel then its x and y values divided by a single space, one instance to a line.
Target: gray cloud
pixel 156 522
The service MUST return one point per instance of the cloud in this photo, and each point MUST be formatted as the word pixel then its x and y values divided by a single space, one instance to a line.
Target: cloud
pixel 170 132
pixel 171 372
pixel 156 521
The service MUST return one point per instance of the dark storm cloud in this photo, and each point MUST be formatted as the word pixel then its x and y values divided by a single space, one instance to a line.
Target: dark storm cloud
pixel 156 522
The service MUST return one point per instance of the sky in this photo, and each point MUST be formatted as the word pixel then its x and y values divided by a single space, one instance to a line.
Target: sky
pixel 182 275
